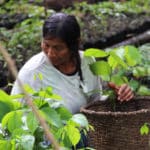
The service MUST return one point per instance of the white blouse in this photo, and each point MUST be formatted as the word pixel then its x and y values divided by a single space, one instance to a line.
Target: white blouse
pixel 74 93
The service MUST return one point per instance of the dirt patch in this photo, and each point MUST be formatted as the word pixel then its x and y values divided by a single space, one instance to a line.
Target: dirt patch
pixel 114 30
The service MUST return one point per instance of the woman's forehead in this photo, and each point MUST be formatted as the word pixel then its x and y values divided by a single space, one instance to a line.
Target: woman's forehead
pixel 53 39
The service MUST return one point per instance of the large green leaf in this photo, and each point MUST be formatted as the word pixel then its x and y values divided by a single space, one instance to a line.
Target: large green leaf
pixel 13 120
pixel 6 104
pixel 102 69
pixel 143 90
pixel 64 113
pixel 95 52
pixel 17 96
pixel 32 122
pixel 132 55
pixel 4 109
pixel 4 97
pixel 140 71
pixel 118 59
pixel 134 84
pixel 119 80
pixel 5 145
pixel 51 116
pixel 112 62
pixel 19 132
pixel 73 134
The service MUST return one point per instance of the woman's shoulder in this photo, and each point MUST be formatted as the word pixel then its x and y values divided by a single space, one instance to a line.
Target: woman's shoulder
pixel 35 62
pixel 33 65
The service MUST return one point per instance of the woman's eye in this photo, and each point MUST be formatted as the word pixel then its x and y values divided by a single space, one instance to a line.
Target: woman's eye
pixel 58 48
pixel 46 45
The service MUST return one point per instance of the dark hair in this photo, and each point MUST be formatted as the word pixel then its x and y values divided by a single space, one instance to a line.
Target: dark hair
pixel 66 28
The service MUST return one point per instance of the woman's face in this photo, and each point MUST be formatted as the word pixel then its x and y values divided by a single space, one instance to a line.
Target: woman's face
pixel 56 50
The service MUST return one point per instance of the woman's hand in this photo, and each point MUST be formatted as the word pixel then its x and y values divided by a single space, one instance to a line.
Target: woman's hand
pixel 124 91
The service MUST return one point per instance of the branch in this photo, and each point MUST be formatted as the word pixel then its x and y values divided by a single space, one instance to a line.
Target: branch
pixel 135 40
pixel 12 67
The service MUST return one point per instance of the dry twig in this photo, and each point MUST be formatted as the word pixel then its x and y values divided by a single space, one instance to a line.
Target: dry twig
pixel 28 99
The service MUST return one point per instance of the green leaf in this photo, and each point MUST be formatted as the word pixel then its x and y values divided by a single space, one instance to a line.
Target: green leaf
pixel 5 145
pixel 40 102
pixel 112 62
pixel 19 132
pixel 80 119
pixel 95 53
pixel 118 59
pixel 65 140
pixel 140 71
pixel 32 122
pixel 15 100
pixel 52 116
pixel 49 90
pixel 102 69
pixel 73 134
pixel 47 93
pixel 4 96
pixel 4 109
pixel 132 55
pixel 134 84
pixel 56 97
pixel 119 79
pixel 143 90
pixel 12 120
pixel 17 96
pixel 29 89
pixel 144 129
pixel 6 104
pixel 65 114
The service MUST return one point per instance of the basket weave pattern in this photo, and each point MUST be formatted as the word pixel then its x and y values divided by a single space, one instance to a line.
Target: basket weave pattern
pixel 119 130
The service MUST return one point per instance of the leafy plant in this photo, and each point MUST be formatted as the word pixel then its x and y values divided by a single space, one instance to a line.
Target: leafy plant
pixel 19 128
pixel 120 65
pixel 125 64
pixel 23 40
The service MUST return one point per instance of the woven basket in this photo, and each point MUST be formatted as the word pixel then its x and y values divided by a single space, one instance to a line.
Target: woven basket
pixel 119 130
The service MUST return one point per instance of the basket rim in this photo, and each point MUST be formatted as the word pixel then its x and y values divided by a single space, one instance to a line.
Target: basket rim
pixel 84 109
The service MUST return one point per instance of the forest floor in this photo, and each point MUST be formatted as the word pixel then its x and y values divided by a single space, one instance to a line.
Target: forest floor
pixel 101 27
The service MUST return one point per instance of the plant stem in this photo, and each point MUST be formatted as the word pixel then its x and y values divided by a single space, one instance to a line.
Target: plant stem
pixel 28 99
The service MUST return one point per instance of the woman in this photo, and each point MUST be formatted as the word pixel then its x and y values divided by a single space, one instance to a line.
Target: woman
pixel 63 67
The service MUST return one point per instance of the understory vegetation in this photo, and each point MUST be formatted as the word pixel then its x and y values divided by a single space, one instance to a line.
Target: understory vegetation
pixel 20 34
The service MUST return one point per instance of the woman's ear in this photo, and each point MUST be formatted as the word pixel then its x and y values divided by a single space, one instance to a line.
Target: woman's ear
pixel 42 45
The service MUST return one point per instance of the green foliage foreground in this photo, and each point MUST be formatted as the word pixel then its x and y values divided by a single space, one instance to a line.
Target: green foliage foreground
pixel 126 64
pixel 19 128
